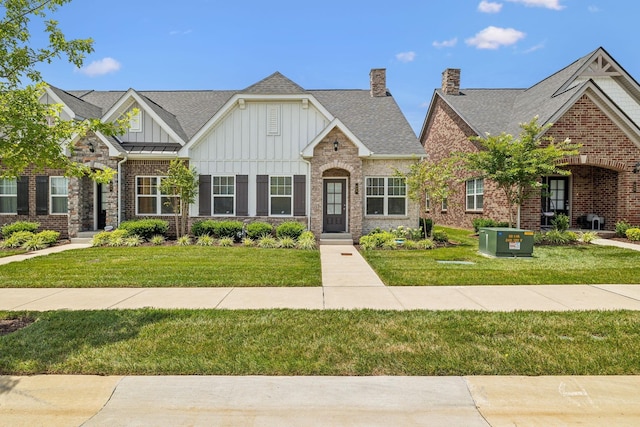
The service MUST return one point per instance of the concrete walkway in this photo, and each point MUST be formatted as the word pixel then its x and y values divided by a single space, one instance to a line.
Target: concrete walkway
pixel 348 283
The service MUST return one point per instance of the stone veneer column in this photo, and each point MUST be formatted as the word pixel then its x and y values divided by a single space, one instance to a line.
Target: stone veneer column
pixel 346 159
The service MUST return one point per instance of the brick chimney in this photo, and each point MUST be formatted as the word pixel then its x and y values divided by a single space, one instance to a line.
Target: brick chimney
pixel 378 81
pixel 451 81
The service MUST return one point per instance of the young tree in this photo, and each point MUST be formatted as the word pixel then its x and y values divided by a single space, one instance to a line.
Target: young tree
pixel 432 180
pixel 32 133
pixel 517 165
pixel 181 183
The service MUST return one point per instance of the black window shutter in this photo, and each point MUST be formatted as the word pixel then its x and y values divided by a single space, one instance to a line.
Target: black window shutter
pixel 42 195
pixel 204 194
pixel 299 195
pixel 262 195
pixel 242 195
pixel 23 195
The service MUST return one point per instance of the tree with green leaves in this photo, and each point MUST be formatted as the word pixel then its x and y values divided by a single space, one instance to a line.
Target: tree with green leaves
pixel 32 133
pixel 181 185
pixel 430 180
pixel 517 165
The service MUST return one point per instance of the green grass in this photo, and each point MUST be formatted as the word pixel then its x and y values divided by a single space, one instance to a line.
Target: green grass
pixel 579 264
pixel 11 252
pixel 303 342
pixel 166 266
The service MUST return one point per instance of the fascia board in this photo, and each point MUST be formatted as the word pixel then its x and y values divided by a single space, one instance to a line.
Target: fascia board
pixel 65 108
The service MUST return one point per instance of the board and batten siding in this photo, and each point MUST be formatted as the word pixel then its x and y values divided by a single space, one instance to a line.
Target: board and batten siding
pixel 151 131
pixel 248 142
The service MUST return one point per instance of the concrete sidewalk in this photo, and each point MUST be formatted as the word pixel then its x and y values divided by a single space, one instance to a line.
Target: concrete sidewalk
pixel 54 400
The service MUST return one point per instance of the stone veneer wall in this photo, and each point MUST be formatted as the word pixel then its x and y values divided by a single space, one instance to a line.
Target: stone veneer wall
pixel 386 167
pixel 325 159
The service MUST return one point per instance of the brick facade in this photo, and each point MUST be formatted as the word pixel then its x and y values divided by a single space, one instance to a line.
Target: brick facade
pixel 601 183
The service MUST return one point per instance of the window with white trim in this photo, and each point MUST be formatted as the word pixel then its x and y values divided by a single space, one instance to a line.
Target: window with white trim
pixel 8 196
pixel 223 195
pixel 280 195
pixel 149 198
pixel 135 122
pixel 386 196
pixel 475 194
pixel 59 194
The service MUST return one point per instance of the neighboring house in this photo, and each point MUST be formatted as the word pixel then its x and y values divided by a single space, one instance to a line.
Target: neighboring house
pixel 593 101
pixel 272 152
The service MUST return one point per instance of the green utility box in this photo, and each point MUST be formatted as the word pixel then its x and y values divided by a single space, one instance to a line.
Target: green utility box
pixel 506 242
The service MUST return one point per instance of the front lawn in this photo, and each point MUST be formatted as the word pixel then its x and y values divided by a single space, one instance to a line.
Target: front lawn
pixel 314 342
pixel 166 266
pixel 578 264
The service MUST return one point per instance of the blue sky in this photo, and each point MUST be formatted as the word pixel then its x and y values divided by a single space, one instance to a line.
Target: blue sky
pixel 333 44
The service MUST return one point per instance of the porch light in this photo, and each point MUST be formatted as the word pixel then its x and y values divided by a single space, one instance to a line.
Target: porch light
pixel 335 145
pixel 92 148
pixel 356 188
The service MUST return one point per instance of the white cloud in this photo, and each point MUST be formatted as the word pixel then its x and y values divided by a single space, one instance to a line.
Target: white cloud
pixel 593 9
pixel 179 32
pixel 495 37
pixel 101 67
pixel 446 43
pixel 406 56
pixel 489 7
pixel 534 48
pixel 547 4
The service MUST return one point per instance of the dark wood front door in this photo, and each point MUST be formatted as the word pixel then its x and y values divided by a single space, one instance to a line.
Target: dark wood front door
pixel 335 206
pixel 555 198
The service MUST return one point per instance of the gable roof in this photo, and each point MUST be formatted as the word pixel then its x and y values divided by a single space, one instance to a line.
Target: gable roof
pixel 377 122
pixel 502 110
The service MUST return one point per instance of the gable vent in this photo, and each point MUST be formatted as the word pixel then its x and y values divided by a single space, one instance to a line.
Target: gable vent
pixel 273 120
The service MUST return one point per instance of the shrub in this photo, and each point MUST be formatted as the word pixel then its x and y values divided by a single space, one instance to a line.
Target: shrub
pixel 247 242
pixel 8 229
pixel 622 227
pixel 376 239
pixel 17 239
pixel 479 223
pixel 557 237
pixel 205 240
pixel 286 242
pixel 538 238
pixel 440 236
pixel 231 229
pixel 267 242
pixel 132 241
pixel 101 239
pixel 259 229
pixel 560 222
pixel 292 229
pixel 49 236
pixel 389 244
pixel 410 244
pixel 202 227
pixel 588 236
pixel 633 234
pixel 183 241
pixel 307 241
pixel 225 241
pixel 145 228
pixel 426 244
pixel 157 240
pixel 36 242
pixel 116 237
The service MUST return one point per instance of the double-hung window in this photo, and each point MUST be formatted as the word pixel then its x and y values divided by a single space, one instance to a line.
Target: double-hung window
pixel 280 195
pixel 149 198
pixel 475 194
pixel 8 196
pixel 223 195
pixel 386 196
pixel 59 194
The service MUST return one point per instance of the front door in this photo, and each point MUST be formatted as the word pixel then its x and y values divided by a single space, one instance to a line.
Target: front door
pixel 555 198
pixel 101 204
pixel 335 206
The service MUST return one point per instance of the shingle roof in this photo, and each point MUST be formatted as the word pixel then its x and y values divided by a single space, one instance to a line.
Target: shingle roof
pixel 502 110
pixel 377 121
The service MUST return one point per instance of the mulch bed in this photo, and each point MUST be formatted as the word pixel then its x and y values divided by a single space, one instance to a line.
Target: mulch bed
pixel 8 326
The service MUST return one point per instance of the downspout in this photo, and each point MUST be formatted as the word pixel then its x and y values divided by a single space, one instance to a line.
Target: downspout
pixel 120 188
pixel 308 201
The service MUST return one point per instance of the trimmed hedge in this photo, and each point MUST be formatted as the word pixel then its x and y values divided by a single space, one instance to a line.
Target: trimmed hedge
pixel 292 229
pixel 217 229
pixel 8 229
pixel 145 228
pixel 257 230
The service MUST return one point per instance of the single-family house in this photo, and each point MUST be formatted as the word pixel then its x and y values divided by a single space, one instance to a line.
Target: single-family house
pixel 593 101
pixel 273 151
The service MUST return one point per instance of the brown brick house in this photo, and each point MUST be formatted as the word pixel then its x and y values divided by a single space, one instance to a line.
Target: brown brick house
pixel 592 101
pixel 273 151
